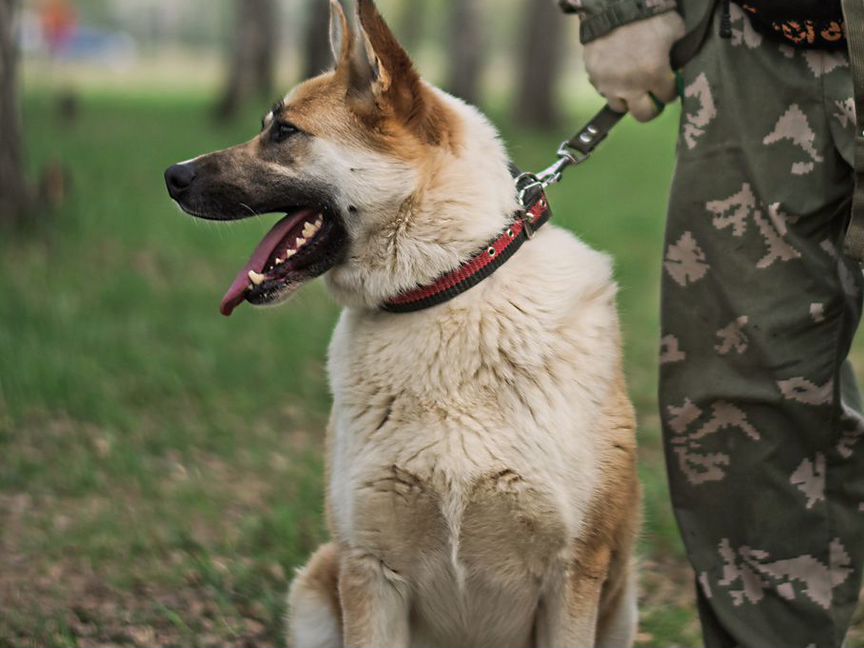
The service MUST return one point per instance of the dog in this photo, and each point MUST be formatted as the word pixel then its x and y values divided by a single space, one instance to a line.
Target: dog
pixel 481 455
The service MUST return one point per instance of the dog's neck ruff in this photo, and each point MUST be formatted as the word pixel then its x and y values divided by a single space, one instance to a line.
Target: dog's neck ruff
pixel 482 265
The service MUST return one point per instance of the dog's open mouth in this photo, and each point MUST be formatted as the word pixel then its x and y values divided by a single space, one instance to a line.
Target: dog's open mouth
pixel 303 245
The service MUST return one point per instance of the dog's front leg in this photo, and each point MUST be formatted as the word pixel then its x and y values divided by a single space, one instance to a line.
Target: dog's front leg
pixel 569 607
pixel 375 603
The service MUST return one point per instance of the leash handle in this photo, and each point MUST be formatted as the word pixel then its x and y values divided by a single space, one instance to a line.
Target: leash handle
pixel 595 131
pixel 580 147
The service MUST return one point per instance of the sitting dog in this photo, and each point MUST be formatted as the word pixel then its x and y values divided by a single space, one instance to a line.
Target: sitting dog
pixel 482 486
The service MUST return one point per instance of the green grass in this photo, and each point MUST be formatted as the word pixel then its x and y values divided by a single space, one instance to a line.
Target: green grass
pixel 160 466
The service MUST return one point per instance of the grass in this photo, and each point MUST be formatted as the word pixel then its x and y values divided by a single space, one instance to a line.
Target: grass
pixel 160 466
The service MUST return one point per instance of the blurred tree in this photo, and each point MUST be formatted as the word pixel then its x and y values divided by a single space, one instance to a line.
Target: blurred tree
pixel 410 24
pixel 14 194
pixel 466 49
pixel 540 64
pixel 316 45
pixel 252 55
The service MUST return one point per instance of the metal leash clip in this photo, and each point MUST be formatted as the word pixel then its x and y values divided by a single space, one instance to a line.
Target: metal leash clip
pixel 571 153
pixel 577 150
pixel 527 185
pixel 566 158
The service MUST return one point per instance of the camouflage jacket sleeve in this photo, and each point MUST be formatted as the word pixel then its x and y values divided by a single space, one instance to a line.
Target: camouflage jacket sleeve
pixel 599 17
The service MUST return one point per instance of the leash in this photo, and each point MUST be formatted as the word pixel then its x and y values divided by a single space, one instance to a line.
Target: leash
pixel 534 212
pixel 531 188
pixel 572 152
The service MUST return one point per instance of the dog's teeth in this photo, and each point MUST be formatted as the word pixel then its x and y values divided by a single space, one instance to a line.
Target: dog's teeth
pixel 319 222
pixel 256 278
pixel 289 254
pixel 279 262
pixel 309 230
pixel 300 242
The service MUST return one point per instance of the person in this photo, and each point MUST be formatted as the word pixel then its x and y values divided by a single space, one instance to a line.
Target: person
pixel 761 415
pixel 59 23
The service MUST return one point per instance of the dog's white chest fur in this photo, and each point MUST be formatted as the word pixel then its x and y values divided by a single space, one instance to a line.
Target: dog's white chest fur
pixel 462 447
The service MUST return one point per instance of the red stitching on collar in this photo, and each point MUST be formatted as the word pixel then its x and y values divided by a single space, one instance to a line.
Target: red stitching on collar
pixel 461 279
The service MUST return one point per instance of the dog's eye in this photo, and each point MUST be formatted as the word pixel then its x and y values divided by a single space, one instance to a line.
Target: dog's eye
pixel 282 131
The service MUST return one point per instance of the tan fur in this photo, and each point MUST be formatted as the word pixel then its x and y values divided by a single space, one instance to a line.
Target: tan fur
pixel 401 116
pixel 319 107
pixel 481 459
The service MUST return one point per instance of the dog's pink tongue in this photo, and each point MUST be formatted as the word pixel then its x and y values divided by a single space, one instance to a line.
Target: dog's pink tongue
pixel 236 294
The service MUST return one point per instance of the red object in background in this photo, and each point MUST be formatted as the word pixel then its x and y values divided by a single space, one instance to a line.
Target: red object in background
pixel 59 22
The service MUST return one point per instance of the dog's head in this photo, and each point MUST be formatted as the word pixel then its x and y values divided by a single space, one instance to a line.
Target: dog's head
pixel 347 157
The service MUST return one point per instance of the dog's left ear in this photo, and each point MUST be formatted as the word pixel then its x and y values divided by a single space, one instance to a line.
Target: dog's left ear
pixel 382 73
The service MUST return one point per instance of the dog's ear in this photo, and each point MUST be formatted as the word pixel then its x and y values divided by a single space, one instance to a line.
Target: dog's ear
pixel 340 35
pixel 382 73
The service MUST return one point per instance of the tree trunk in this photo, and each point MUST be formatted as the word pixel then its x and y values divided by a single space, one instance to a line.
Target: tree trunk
pixel 540 65
pixel 252 56
pixel 466 49
pixel 317 54
pixel 13 186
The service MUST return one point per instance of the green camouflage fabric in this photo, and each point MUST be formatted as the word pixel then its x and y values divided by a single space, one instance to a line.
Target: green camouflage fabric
pixel 762 420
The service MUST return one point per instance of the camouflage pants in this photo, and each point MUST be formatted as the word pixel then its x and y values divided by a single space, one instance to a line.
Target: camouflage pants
pixel 760 409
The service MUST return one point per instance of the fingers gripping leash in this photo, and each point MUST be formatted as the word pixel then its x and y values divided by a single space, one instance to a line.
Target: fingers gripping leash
pixel 578 149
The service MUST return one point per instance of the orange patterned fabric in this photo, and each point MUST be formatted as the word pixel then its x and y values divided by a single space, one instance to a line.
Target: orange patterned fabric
pixel 823 29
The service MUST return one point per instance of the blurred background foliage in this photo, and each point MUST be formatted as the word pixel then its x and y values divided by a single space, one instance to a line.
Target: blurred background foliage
pixel 476 48
pixel 160 466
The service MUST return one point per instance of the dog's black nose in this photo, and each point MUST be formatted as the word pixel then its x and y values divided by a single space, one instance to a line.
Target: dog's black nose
pixel 179 177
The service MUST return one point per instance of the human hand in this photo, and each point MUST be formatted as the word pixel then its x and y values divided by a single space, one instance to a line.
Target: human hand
pixel 630 65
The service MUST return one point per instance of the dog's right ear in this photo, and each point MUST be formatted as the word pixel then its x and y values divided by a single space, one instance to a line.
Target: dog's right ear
pixel 341 40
